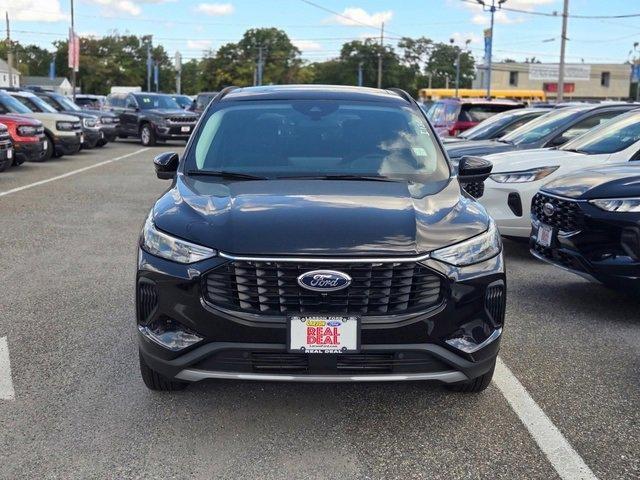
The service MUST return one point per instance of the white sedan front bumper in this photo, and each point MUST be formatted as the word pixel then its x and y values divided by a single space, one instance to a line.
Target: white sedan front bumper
pixel 496 201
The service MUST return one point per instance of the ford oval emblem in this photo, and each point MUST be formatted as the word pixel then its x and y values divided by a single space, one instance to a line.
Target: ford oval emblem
pixel 324 280
pixel 549 209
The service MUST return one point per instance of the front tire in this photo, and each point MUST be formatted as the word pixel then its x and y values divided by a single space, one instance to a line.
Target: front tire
pixel 476 385
pixel 154 381
pixel 48 153
pixel 147 136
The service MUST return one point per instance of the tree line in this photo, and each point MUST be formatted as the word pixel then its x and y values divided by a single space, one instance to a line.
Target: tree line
pixel 121 59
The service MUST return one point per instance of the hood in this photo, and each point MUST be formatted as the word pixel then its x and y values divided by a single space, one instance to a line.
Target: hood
pixel 54 117
pixel 318 217
pixel 80 114
pixel 20 118
pixel 170 112
pixel 527 159
pixel 614 181
pixel 476 148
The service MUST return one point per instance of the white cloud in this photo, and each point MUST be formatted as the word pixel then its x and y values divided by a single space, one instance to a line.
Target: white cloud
pixel 215 9
pixel 33 10
pixel 307 45
pixel 358 16
pixel 131 7
pixel 459 38
pixel 198 44
pixel 504 17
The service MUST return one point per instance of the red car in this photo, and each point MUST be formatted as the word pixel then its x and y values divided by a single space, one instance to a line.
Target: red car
pixel 29 140
pixel 451 116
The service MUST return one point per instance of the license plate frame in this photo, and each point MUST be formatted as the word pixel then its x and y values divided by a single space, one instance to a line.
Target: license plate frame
pixel 186 129
pixel 544 236
pixel 10 153
pixel 350 327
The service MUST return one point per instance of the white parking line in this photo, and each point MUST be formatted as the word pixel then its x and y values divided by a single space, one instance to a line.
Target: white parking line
pixel 6 383
pixel 564 459
pixel 68 174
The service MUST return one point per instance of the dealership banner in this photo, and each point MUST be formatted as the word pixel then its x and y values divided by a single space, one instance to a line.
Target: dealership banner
pixel 74 50
pixel 549 72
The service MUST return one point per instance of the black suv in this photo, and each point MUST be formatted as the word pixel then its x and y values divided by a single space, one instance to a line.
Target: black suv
pixel 106 123
pixel 588 223
pixel 151 117
pixel 316 233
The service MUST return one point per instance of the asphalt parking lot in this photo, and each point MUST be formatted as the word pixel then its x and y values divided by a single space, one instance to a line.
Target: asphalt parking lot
pixel 72 404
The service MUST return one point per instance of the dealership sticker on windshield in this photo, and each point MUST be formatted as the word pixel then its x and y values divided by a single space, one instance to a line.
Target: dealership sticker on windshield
pixel 318 334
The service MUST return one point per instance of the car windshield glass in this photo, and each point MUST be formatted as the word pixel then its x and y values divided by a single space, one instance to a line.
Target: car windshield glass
pixel 13 105
pixel 487 128
pixel 183 101
pixel 610 137
pixel 41 104
pixel 147 102
pixel 203 100
pixel 541 127
pixel 478 113
pixel 318 138
pixel 67 104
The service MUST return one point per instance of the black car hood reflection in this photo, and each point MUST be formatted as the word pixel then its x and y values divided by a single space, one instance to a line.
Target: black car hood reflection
pixel 612 181
pixel 317 217
pixel 477 148
pixel 170 112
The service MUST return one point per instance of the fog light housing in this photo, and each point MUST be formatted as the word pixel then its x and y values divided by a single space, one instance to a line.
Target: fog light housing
pixel 467 345
pixel 170 334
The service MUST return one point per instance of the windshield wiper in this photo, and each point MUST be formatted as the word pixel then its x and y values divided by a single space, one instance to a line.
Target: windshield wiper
pixel 226 174
pixel 373 178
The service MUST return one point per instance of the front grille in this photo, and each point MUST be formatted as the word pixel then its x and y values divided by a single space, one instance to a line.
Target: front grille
pixel 5 138
pixel 495 303
pixel 557 256
pixel 271 288
pixel 181 119
pixel 566 216
pixel 147 301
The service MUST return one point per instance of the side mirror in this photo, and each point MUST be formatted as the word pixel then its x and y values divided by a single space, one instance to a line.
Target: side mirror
pixel 472 172
pixel 166 165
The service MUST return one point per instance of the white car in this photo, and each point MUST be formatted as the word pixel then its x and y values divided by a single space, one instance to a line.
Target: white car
pixel 517 176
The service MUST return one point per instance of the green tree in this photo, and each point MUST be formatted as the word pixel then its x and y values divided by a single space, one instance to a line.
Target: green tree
pixel 441 65
pixel 30 60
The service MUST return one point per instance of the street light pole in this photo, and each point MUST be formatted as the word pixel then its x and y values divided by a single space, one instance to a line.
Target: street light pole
pixel 73 69
pixel 492 8
pixel 466 43
pixel 563 42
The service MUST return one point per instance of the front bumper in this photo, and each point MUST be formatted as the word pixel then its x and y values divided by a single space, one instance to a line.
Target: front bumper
pixel 407 347
pixel 30 151
pixel 174 132
pixel 605 247
pixel 68 144
pixel 509 206
pixel 91 137
pixel 109 133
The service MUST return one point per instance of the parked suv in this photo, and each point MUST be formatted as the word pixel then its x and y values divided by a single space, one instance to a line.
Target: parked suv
pixel 90 102
pixel 451 116
pixel 152 117
pixel 63 132
pixel 202 101
pixel 6 148
pixel 99 127
pixel 317 233
pixel 588 223
pixel 27 134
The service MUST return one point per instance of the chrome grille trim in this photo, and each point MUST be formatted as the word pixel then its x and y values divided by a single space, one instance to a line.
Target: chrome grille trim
pixel 242 258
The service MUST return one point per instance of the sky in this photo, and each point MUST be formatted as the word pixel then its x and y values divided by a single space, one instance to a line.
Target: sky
pixel 193 26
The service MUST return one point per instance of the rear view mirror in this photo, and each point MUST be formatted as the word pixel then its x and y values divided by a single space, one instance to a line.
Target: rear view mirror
pixel 166 165
pixel 472 172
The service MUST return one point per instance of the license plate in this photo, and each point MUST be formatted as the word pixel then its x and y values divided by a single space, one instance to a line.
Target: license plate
pixel 545 235
pixel 10 153
pixel 82 138
pixel 185 129
pixel 318 334
pixel 45 145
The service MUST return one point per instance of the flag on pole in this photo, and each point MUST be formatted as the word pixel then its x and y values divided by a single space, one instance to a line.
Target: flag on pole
pixel 74 50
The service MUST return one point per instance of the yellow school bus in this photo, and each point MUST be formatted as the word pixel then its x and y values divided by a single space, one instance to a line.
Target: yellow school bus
pixel 521 95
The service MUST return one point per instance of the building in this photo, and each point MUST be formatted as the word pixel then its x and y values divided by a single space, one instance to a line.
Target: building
pixel 601 81
pixel 4 75
pixel 58 84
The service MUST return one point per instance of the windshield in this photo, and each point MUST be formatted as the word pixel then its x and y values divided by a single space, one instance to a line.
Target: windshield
pixel 610 137
pixel 67 104
pixel 183 101
pixel 203 100
pixel 487 128
pixel 540 127
pixel 147 102
pixel 13 105
pixel 318 138
pixel 40 104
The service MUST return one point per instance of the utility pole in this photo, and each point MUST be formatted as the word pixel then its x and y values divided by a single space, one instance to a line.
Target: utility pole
pixel 380 55
pixel 489 47
pixel 178 67
pixel 149 63
pixel 466 43
pixel 360 74
pixel 260 65
pixel 9 51
pixel 73 70
pixel 563 41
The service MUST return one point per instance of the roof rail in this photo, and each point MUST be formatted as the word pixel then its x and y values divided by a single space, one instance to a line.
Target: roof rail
pixel 401 93
pixel 223 93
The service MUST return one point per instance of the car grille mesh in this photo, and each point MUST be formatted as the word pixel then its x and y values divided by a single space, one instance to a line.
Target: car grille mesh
pixel 147 301
pixel 271 288
pixel 495 303
pixel 566 217
pixel 182 119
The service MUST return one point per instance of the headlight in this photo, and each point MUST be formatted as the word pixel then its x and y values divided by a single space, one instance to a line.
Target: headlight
pixel 106 120
pixel 27 131
pixel 477 249
pixel 631 205
pixel 65 126
pixel 165 246
pixel 89 122
pixel 523 175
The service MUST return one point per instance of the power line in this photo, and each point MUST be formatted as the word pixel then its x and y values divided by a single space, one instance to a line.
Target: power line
pixel 559 14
